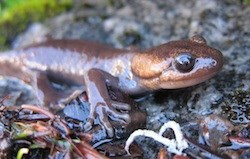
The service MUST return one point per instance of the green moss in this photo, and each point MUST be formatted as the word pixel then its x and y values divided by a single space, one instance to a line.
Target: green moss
pixel 15 15
pixel 247 1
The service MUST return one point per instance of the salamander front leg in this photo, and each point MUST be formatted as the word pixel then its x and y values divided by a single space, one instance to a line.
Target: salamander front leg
pixel 46 93
pixel 101 105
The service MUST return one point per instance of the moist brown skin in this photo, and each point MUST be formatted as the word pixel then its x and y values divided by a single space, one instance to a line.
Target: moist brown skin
pixel 96 65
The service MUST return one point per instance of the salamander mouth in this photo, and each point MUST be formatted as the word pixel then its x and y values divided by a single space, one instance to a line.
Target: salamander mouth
pixel 204 69
pixel 175 84
pixel 171 78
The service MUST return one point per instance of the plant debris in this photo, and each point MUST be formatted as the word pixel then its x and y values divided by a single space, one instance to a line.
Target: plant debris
pixel 26 135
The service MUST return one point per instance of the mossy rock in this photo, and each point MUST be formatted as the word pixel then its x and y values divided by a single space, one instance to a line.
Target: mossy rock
pixel 18 14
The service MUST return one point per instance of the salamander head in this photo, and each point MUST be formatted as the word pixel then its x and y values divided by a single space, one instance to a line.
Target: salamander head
pixel 177 64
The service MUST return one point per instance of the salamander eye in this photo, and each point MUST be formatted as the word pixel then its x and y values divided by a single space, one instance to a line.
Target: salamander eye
pixel 184 62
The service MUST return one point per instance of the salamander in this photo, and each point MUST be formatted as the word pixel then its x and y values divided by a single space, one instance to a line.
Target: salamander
pixel 175 64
